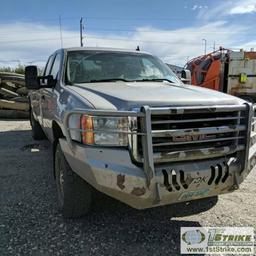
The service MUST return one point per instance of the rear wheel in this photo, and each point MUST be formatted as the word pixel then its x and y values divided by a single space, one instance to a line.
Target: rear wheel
pixel 74 194
pixel 37 131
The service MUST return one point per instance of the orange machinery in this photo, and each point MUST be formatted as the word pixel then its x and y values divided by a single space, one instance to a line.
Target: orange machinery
pixel 232 72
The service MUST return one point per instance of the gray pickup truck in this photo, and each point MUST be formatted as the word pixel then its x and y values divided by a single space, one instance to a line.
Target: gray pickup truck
pixel 121 122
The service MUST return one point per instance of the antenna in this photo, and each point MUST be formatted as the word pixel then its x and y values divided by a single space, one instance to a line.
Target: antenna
pixel 61 39
pixel 81 32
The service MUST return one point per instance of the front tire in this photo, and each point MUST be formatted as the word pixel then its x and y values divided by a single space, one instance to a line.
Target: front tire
pixel 74 194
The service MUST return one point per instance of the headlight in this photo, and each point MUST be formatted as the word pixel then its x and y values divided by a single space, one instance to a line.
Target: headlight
pixel 105 131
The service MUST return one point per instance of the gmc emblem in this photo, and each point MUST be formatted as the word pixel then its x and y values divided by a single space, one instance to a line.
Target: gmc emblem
pixel 187 138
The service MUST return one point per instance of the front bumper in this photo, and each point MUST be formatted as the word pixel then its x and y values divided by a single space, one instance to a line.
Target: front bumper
pixel 112 172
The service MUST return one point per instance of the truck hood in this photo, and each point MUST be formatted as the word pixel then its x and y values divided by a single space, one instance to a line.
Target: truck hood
pixel 128 95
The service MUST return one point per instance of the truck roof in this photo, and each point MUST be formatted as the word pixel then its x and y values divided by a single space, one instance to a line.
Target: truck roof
pixel 108 49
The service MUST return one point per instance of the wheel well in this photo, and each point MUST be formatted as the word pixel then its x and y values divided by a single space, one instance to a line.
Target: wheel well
pixel 56 130
pixel 57 133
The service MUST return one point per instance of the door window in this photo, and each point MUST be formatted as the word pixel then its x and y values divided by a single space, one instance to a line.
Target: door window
pixel 56 66
pixel 48 66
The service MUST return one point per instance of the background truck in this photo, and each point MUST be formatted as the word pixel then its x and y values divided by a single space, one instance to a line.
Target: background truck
pixel 232 72
pixel 121 122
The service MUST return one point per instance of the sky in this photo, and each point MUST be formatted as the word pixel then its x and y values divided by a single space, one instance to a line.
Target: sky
pixel 170 29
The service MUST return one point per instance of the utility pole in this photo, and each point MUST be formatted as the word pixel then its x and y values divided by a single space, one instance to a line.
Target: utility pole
pixel 61 39
pixel 205 45
pixel 81 32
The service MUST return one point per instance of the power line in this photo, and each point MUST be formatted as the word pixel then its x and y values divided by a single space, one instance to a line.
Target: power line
pixel 104 18
pixel 97 37
pixel 165 31
pixel 107 18
pixel 134 30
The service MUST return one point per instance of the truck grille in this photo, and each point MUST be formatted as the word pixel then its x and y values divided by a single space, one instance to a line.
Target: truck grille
pixel 191 133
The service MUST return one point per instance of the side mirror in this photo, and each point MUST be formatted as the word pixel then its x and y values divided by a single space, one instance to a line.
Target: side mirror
pixel 186 76
pixel 31 78
pixel 50 81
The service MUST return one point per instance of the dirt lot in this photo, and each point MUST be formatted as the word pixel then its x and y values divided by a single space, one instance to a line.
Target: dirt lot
pixel 30 223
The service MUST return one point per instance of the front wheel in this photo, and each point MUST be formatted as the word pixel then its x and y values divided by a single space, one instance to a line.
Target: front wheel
pixel 74 194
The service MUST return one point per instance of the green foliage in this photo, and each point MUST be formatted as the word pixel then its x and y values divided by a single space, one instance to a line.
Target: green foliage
pixel 6 69
pixel 20 69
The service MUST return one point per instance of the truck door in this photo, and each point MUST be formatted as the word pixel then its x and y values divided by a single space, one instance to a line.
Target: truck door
pixel 36 96
pixel 49 97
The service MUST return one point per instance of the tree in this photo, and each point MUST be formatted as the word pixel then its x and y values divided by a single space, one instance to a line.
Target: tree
pixel 20 69
pixel 5 69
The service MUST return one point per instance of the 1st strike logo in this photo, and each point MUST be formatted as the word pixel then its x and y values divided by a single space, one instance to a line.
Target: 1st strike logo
pixel 188 138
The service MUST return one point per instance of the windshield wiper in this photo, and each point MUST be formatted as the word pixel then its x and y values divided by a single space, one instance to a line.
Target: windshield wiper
pixel 107 80
pixel 156 80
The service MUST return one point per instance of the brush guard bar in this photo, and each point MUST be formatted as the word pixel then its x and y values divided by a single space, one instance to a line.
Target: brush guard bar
pixel 145 113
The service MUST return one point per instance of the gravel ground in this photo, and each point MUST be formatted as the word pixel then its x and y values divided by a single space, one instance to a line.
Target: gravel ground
pixel 30 223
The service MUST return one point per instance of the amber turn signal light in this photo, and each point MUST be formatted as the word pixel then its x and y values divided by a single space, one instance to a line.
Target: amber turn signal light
pixel 87 127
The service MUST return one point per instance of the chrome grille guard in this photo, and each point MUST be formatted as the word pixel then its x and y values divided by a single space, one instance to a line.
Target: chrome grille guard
pixel 149 158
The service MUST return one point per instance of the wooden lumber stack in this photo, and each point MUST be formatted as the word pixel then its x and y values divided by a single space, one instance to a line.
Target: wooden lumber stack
pixel 13 96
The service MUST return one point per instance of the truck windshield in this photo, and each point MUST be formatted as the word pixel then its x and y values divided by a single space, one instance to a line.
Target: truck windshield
pixel 93 66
